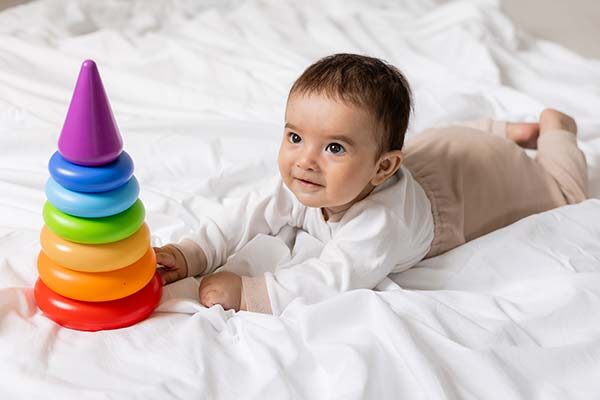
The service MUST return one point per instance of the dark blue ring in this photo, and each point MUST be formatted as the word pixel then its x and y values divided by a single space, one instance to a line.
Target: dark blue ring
pixel 91 179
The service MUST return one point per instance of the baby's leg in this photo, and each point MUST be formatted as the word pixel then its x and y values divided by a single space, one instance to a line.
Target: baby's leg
pixel 487 125
pixel 559 155
pixel 525 134
pixel 479 183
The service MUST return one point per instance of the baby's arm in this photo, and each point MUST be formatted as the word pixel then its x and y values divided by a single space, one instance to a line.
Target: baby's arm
pixel 223 233
pixel 223 288
pixel 367 248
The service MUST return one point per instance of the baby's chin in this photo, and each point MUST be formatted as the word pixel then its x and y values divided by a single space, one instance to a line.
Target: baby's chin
pixel 309 201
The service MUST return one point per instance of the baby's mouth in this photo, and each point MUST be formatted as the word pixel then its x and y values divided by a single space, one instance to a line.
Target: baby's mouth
pixel 306 182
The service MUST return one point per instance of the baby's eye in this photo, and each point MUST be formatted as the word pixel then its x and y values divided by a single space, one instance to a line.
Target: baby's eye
pixel 335 148
pixel 294 137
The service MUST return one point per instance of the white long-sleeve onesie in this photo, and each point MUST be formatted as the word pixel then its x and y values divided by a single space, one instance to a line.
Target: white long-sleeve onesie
pixel 388 231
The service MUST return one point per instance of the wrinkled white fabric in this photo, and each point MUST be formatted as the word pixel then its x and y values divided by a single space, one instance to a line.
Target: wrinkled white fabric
pixel 198 89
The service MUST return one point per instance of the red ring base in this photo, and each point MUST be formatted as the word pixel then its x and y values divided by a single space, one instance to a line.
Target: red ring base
pixel 101 315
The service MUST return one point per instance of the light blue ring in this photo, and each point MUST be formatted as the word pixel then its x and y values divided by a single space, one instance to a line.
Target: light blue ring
pixel 92 205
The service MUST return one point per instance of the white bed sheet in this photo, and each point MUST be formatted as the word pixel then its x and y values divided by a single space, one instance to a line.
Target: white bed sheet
pixel 198 90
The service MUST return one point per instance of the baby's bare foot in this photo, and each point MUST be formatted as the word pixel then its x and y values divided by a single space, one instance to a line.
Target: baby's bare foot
pixel 551 119
pixel 525 134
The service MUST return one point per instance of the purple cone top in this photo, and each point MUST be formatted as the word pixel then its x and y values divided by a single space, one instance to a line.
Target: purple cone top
pixel 90 135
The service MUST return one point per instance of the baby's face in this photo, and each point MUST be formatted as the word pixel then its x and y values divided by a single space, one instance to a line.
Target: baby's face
pixel 327 155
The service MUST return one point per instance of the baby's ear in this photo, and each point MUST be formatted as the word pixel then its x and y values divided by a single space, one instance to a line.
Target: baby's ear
pixel 388 164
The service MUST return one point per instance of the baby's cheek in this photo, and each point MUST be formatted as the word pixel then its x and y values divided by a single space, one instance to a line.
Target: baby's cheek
pixel 284 163
pixel 345 188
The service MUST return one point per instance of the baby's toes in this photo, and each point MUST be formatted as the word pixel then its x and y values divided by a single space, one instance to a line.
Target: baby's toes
pixel 525 134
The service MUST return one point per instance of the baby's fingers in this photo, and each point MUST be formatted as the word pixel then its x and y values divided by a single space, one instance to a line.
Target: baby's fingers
pixel 164 258
pixel 167 275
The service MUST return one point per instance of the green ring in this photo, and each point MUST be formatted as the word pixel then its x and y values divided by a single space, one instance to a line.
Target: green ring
pixel 94 230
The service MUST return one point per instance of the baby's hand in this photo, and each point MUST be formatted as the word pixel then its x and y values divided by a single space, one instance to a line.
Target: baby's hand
pixel 174 265
pixel 224 288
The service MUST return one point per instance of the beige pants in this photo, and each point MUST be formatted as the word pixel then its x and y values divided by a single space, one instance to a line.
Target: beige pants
pixel 479 181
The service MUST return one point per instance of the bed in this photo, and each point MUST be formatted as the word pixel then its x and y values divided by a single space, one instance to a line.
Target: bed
pixel 198 90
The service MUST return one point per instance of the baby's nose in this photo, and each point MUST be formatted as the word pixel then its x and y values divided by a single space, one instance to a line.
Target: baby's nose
pixel 307 163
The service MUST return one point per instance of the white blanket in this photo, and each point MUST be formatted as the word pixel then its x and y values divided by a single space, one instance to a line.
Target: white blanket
pixel 198 90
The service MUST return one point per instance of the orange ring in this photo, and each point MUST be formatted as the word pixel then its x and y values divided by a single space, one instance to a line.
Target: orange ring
pixel 98 286
pixel 95 257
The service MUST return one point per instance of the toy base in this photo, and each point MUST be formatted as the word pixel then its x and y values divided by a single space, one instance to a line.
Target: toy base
pixel 96 316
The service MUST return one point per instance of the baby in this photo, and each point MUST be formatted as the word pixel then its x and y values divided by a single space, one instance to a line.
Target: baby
pixel 378 205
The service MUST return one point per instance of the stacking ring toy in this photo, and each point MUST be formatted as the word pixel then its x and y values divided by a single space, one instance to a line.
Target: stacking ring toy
pixel 95 257
pixel 94 230
pixel 95 316
pixel 92 205
pixel 98 286
pixel 91 179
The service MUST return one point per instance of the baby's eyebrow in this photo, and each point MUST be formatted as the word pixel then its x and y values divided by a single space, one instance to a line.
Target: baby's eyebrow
pixel 342 138
pixel 291 126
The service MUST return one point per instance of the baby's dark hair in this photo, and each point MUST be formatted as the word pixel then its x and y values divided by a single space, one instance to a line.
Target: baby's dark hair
pixel 366 82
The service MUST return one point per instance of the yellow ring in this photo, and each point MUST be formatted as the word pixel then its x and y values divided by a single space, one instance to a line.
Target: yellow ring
pixel 98 286
pixel 95 257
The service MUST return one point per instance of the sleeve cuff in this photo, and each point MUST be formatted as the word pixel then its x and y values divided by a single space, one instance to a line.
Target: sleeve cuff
pixel 255 294
pixel 498 128
pixel 194 256
pixel 558 134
